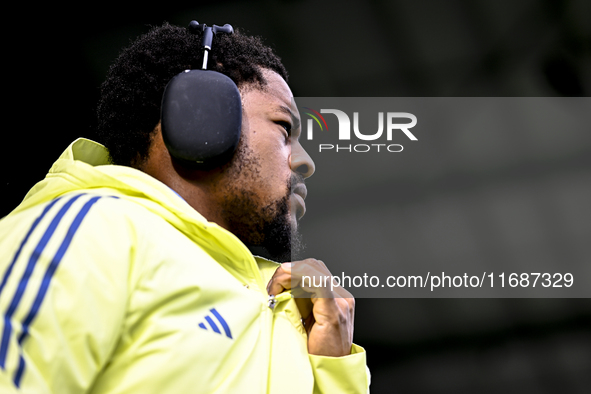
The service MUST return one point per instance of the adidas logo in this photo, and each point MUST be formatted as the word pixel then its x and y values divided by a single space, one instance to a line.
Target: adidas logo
pixel 213 321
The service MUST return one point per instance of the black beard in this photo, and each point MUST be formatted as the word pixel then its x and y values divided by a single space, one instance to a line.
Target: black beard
pixel 265 229
pixel 282 242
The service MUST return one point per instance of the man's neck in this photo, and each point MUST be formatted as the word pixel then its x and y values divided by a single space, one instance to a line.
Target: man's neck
pixel 194 186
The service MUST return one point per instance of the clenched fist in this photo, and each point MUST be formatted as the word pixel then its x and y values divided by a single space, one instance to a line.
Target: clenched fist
pixel 327 312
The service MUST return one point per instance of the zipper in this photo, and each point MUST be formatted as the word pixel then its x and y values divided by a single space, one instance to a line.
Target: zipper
pixel 274 300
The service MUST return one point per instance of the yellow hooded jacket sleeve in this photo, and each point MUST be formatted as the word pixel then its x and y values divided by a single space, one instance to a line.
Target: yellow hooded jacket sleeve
pixel 111 283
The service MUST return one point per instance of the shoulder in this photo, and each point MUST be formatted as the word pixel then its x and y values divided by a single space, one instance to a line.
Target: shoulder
pixel 87 220
pixel 108 213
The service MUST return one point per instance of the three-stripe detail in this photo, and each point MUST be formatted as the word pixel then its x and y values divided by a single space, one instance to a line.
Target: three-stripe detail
pixel 213 322
pixel 31 266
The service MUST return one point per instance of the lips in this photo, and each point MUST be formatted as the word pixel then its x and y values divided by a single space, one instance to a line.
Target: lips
pixel 299 193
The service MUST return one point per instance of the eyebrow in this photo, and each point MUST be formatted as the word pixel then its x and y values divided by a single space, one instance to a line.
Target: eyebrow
pixel 294 119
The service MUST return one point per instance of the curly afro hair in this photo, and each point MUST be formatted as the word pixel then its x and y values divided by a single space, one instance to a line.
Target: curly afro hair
pixel 129 107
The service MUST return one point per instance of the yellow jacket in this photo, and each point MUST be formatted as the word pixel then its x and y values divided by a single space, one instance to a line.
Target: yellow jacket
pixel 112 283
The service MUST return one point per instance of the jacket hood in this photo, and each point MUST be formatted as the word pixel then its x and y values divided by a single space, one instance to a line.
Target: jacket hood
pixel 85 165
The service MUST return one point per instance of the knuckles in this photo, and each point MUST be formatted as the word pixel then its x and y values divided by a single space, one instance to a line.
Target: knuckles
pixel 315 269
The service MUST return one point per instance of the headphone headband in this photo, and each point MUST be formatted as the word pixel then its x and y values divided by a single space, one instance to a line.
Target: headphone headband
pixel 207 38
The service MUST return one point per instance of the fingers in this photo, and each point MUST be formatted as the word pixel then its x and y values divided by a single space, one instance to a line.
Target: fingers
pixel 332 331
pixel 281 280
pixel 314 278
pixel 327 309
pixel 311 283
pixel 311 275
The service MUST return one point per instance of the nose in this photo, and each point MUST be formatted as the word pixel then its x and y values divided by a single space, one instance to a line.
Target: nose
pixel 301 162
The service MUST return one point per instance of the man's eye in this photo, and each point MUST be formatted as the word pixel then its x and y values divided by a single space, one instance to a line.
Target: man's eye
pixel 286 126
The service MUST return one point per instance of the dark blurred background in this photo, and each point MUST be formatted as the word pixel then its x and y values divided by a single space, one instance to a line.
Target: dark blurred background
pixel 55 58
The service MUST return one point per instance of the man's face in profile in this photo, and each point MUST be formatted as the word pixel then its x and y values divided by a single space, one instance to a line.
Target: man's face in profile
pixel 264 191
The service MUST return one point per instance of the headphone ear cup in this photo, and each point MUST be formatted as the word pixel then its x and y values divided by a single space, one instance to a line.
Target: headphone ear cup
pixel 201 117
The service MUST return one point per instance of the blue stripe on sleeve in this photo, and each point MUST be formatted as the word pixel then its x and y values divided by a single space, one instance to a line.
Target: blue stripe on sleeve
pixel 26 275
pixel 53 266
pixel 47 279
pixel 19 371
pixel 20 248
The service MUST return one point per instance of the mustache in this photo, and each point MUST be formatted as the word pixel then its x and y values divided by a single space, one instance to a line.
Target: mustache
pixel 295 179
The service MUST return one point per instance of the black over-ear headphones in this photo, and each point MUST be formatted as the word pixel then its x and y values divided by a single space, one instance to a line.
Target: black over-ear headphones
pixel 201 110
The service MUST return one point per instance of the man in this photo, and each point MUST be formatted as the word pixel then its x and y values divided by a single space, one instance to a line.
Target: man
pixel 126 271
